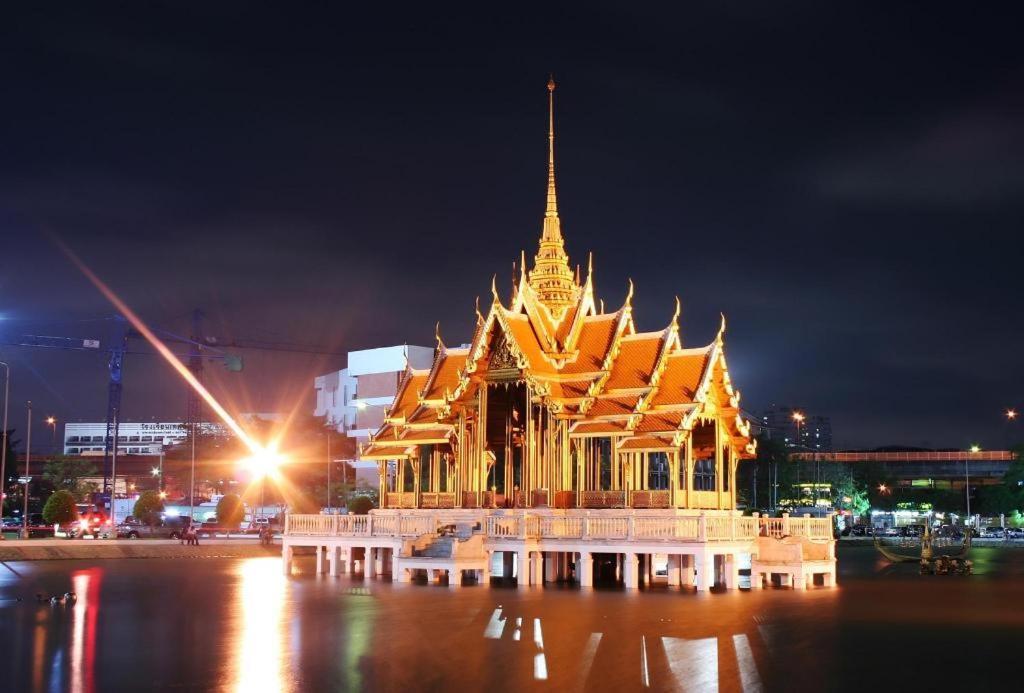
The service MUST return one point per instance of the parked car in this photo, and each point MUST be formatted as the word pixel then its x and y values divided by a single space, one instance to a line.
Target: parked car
pixel 862 531
pixel 256 525
pixel 992 533
pixel 1015 532
pixel 911 530
pixel 168 528
pixel 93 524
pixel 212 527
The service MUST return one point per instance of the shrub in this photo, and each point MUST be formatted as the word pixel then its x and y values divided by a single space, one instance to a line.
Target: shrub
pixel 230 510
pixel 148 508
pixel 60 508
pixel 360 505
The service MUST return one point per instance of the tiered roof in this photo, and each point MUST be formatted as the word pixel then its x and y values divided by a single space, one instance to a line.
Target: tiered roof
pixel 590 367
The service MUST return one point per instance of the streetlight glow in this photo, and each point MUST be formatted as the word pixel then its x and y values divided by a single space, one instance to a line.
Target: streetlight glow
pixel 50 420
pixel 155 471
pixel 264 461
pixel 1011 414
pixel 975 448
pixel 798 417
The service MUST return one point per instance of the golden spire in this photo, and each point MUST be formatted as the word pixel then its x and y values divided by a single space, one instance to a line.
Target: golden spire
pixel 552 208
pixel 551 278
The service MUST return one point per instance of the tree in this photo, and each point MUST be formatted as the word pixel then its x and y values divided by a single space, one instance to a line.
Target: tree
pixel 230 510
pixel 60 508
pixel 148 508
pixel 67 473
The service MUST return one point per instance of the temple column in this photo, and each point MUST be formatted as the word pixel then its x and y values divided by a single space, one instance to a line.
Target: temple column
pixel 705 565
pixel 369 563
pixel 319 560
pixel 688 470
pixel 522 568
pixel 673 570
pixel 718 462
pixel 585 569
pixel 686 570
pixel 630 571
pixel 550 571
pixel 286 559
pixel 351 560
pixel 732 571
pixel 536 568
pixel 333 556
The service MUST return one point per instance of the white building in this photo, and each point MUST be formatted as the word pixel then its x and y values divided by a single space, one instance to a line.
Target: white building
pixel 354 398
pixel 133 437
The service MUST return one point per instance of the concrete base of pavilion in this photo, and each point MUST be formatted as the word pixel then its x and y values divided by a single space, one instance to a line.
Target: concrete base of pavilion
pixel 794 560
pixel 487 546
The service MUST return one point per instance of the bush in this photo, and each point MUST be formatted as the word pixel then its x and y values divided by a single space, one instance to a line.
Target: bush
pixel 148 508
pixel 360 505
pixel 60 508
pixel 230 510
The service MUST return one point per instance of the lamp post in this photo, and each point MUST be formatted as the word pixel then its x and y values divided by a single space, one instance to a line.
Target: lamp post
pixel 798 417
pixel 28 479
pixel 51 421
pixel 113 478
pixel 967 476
pixel 3 439
pixel 329 424
pixel 192 480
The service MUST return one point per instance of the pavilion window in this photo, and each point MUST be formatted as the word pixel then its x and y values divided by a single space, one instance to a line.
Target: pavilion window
pixel 657 471
pixel 704 474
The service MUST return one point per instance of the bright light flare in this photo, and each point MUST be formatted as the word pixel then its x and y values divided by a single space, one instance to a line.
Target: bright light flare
pixel 798 417
pixel 163 350
pixel 1011 414
pixel 975 448
pixel 265 461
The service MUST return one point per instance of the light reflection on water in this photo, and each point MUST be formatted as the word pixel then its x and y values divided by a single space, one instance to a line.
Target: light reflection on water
pixel 259 644
pixel 239 625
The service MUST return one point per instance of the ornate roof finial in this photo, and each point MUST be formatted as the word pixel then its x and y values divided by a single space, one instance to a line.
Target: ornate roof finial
pixel 494 288
pixel 552 206
pixel 629 295
pixel 675 316
pixel 551 277
pixel 437 334
pixel 479 315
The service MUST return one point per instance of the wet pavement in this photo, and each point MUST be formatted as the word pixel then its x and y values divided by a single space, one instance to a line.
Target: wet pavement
pixel 239 624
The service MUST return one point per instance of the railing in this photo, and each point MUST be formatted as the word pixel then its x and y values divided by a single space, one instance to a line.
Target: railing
pixel 773 527
pixel 815 528
pixel 576 525
pixel 649 499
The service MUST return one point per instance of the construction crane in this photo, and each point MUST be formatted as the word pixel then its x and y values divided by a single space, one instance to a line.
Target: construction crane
pixel 201 347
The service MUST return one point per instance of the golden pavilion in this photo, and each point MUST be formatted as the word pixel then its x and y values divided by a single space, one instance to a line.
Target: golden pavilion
pixel 558 403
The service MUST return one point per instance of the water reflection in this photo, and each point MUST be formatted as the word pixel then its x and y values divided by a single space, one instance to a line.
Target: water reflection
pixel 260 645
pixel 86 586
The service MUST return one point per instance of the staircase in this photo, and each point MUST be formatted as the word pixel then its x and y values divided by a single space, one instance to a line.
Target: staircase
pixel 440 547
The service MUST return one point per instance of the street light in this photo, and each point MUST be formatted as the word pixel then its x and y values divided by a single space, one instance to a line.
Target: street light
pixel 28 479
pixel 1011 414
pixel 3 440
pixel 975 449
pixel 51 421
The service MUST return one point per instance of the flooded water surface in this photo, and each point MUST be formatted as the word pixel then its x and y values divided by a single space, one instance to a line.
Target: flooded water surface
pixel 240 625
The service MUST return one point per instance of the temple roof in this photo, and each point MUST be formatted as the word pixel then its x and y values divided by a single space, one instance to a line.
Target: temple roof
pixel 587 365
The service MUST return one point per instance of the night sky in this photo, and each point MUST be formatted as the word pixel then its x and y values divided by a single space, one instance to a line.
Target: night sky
pixel 844 183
